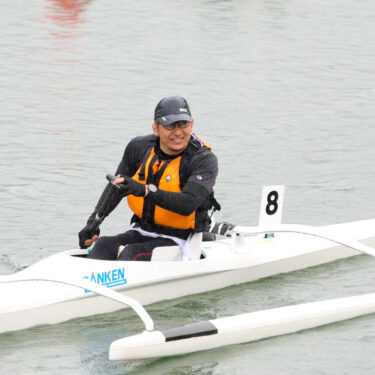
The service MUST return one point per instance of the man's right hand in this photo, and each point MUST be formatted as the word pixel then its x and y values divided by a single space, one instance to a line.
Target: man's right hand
pixel 86 237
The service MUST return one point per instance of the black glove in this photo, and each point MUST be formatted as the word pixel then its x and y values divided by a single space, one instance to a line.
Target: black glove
pixel 86 234
pixel 131 187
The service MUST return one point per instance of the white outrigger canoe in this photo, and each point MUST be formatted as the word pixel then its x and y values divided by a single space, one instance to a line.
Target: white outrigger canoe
pixel 67 285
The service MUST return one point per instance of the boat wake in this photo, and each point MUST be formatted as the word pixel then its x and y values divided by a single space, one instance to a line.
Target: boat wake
pixel 7 265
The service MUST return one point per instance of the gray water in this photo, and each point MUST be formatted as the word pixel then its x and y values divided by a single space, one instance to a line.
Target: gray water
pixel 282 90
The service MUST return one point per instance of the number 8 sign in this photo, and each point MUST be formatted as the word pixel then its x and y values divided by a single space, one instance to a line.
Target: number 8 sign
pixel 271 205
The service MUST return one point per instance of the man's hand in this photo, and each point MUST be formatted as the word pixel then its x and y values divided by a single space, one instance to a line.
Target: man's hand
pixel 127 186
pixel 86 237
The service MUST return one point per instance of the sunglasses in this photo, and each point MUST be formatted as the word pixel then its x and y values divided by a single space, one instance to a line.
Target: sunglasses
pixel 180 124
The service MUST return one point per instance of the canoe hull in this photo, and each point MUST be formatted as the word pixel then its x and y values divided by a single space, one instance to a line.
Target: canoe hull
pixel 30 303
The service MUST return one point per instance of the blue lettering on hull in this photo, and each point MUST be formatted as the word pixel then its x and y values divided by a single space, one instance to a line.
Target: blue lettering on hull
pixel 109 278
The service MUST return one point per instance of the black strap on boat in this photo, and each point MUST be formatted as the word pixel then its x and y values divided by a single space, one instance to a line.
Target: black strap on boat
pixel 190 330
pixel 222 228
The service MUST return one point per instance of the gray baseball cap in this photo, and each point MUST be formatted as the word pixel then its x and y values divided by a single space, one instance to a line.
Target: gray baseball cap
pixel 172 109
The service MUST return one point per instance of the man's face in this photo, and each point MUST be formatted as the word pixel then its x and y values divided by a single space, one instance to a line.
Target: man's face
pixel 174 141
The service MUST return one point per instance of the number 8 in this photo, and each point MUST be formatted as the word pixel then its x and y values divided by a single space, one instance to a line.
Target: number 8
pixel 272 205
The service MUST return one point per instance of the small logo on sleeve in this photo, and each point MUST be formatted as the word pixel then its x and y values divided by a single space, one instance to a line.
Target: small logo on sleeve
pixel 199 177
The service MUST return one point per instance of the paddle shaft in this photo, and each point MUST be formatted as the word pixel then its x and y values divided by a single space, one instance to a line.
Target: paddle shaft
pixel 101 214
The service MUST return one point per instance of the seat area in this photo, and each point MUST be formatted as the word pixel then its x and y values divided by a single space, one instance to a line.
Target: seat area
pixel 174 253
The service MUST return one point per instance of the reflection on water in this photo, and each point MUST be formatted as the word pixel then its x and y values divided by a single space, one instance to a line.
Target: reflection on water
pixel 66 15
pixel 198 364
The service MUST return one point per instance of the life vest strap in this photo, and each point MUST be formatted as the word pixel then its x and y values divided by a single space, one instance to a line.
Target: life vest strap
pixel 141 174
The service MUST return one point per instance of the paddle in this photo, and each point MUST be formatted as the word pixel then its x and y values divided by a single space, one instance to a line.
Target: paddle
pixel 103 210
pixel 101 214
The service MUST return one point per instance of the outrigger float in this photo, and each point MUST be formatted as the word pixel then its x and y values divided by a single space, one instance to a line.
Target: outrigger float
pixel 67 285
pixel 240 329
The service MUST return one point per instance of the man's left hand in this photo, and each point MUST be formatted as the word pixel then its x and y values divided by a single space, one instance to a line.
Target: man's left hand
pixel 127 186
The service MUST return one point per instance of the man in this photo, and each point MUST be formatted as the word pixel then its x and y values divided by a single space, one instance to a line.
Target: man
pixel 168 178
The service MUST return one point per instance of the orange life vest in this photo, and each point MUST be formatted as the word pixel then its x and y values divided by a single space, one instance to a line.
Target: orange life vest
pixel 169 181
